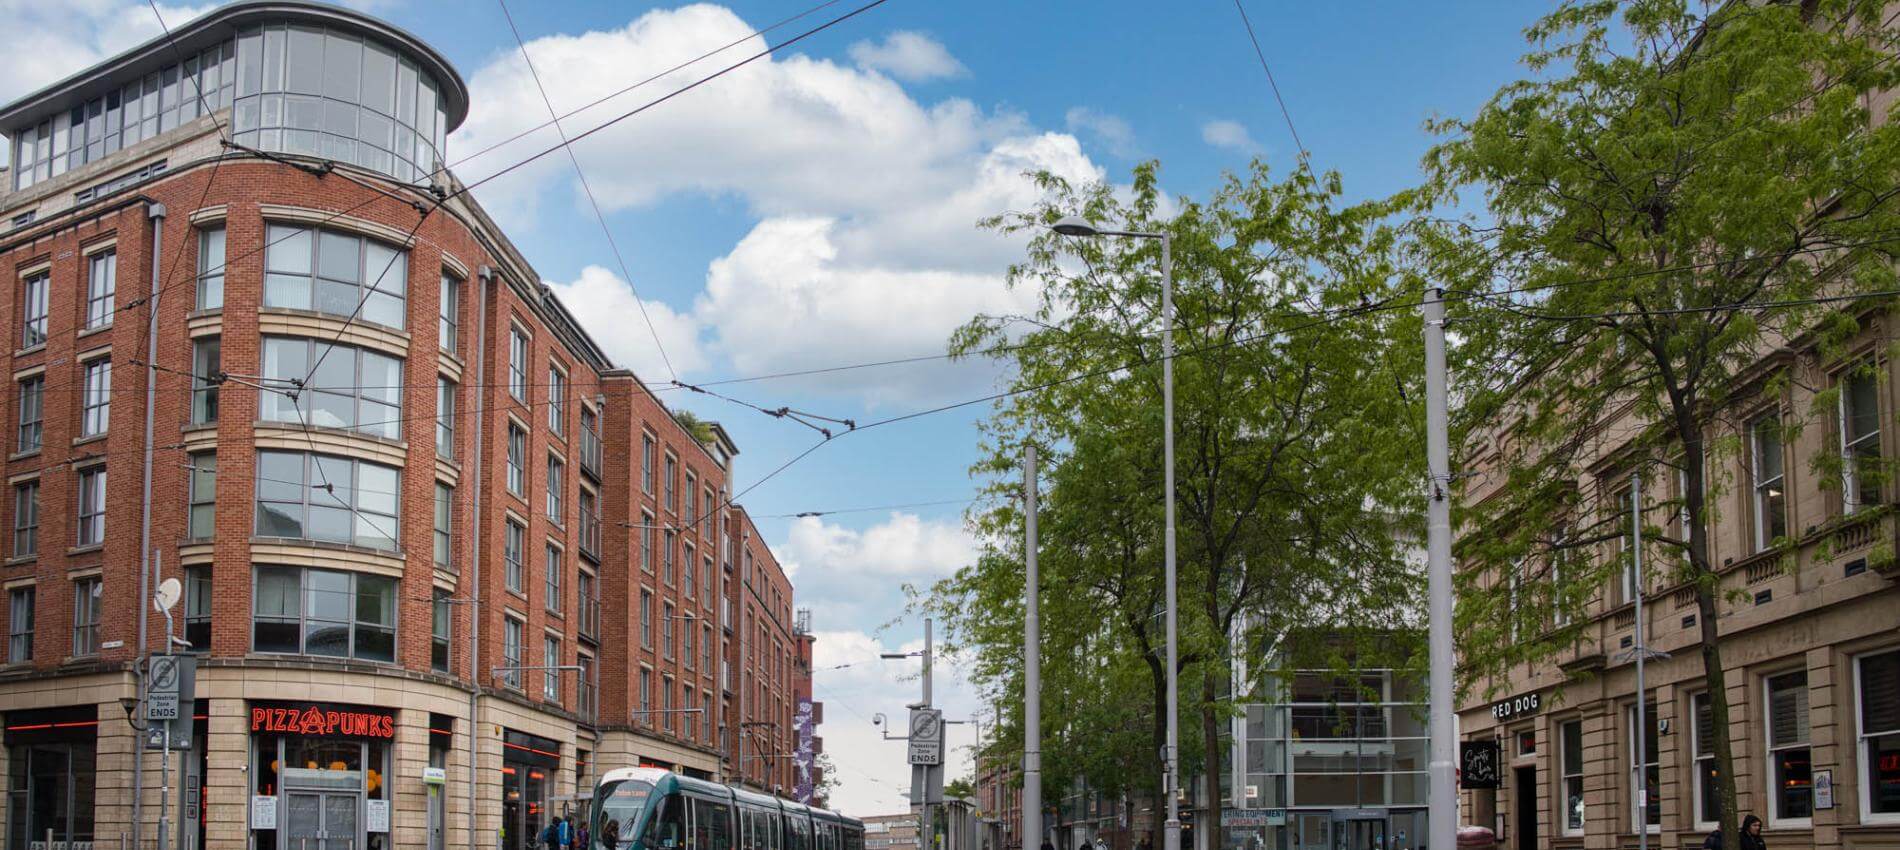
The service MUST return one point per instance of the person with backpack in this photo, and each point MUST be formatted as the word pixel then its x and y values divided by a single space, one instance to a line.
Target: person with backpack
pixel 1751 837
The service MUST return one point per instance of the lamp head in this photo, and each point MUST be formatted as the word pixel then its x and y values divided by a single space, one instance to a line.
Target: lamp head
pixel 1075 225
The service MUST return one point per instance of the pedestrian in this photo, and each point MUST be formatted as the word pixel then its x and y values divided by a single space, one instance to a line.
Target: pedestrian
pixel 580 836
pixel 564 834
pixel 610 835
pixel 550 834
pixel 1751 837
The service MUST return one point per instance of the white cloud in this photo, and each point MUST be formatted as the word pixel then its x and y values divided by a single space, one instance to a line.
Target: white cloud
pixel 903 547
pixel 1113 132
pixel 1232 135
pixel 610 310
pixel 866 245
pixel 910 56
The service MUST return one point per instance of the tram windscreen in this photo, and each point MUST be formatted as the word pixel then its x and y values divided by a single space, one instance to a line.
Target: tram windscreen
pixel 617 807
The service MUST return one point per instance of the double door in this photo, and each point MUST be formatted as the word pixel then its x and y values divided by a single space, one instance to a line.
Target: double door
pixel 322 820
pixel 1360 834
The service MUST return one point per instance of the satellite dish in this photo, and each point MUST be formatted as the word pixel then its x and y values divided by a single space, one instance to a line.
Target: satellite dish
pixel 167 596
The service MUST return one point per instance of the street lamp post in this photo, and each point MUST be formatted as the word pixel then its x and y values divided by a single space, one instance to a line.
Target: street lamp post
pixel 1081 227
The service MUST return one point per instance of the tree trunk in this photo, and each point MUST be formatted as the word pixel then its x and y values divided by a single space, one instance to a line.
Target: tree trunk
pixel 1707 592
pixel 1210 757
pixel 1157 671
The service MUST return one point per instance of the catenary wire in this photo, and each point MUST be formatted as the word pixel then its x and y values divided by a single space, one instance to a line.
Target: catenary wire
pixel 599 216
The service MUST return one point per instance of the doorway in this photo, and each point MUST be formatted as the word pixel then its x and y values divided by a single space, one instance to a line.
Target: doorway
pixel 1312 831
pixel 1361 834
pixel 319 820
pixel 1524 799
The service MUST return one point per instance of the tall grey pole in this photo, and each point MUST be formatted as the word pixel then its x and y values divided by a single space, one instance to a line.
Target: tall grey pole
pixel 1442 823
pixel 1171 839
pixel 1032 665
pixel 1640 651
pixel 156 212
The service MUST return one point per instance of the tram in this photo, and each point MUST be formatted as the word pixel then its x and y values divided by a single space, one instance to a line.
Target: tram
pixel 645 808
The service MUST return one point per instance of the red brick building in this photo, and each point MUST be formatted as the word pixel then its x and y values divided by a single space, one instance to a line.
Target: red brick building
pixel 432 589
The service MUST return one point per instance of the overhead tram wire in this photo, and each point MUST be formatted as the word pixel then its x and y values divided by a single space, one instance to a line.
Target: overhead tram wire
pixel 1298 145
pixel 605 231
pixel 681 66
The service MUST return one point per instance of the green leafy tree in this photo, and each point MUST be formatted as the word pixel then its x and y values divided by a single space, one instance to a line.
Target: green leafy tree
pixel 1292 430
pixel 1661 202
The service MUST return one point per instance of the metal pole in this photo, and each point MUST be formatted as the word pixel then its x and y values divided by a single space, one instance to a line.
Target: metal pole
pixel 1171 839
pixel 1642 728
pixel 157 214
pixel 929 811
pixel 165 759
pixel 1032 665
pixel 1442 823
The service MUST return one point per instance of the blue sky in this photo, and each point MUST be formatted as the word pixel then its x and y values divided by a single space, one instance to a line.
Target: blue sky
pixel 818 209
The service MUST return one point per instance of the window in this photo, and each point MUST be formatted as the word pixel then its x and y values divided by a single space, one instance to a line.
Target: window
pixel 518 364
pixel 707 513
pixel 556 485
pixel 92 506
pixel 646 619
pixel 517 461
pixel 706 583
pixel 646 542
pixel 1860 439
pixel 1790 778
pixel 550 677
pixel 20 602
pixel 590 441
pixel 689 721
pixel 687 653
pixel 300 611
pixel 666 629
pixel 102 283
pixel 511 652
pixel 32 413
pixel 444 526
pixel 646 696
pixel 687 518
pixel 97 409
pixel 646 464
pixel 553 588
pixel 584 697
pixel 513 549
pixel 198 607
pixel 340 274
pixel 33 310
pixel 672 484
pixel 557 398
pixel 327 498
pixel 211 268
pixel 705 711
pixel 1625 503
pixel 207 367
pixel 444 417
pixel 590 523
pixel 1770 495
pixel 706 649
pixel 1707 802
pixel 87 595
pixel 447 328
pixel 1877 690
pixel 666 703
pixel 589 603
pixel 202 484
pixel 332 386
pixel 26 519
pixel 441 627
pixel 666 556
pixel 1648 798
pixel 687 559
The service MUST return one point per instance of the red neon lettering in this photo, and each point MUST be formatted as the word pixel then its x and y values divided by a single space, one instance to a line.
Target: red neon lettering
pixel 258 718
pixel 330 720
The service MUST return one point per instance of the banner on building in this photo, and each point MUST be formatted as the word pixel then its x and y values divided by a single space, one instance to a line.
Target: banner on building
pixel 804 759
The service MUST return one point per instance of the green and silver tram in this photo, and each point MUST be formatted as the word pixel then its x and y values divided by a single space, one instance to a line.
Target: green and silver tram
pixel 643 808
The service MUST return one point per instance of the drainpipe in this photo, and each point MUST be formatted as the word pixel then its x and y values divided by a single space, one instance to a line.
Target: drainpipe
pixel 156 212
pixel 482 276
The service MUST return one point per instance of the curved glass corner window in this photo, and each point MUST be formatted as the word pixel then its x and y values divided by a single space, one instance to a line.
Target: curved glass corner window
pixel 322 497
pixel 336 273
pixel 324 612
pixel 331 94
pixel 341 386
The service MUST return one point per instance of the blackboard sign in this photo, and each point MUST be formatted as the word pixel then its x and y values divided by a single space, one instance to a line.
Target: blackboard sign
pixel 1478 764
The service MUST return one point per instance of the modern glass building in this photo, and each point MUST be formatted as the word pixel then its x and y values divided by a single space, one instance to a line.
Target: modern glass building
pixel 1331 761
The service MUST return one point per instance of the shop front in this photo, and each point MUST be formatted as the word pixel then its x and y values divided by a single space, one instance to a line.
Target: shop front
pixel 528 767
pixel 319 776
pixel 52 764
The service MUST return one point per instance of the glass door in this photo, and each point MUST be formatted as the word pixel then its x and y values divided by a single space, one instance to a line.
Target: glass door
pixel 1313 831
pixel 320 821
pixel 1361 835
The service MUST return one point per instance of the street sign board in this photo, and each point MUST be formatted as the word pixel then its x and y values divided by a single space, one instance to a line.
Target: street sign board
pixel 161 707
pixel 926 736
pixel 165 674
pixel 1252 817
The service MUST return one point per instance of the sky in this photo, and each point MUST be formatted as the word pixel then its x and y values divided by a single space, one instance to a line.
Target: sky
pixel 818 207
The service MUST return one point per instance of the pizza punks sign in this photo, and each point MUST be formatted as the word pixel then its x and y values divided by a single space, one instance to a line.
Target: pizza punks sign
pixel 322 721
